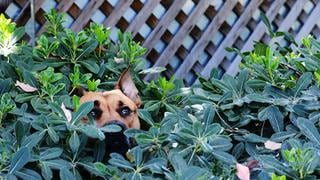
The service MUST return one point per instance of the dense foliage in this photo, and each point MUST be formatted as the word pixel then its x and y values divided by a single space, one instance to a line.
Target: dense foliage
pixel 266 119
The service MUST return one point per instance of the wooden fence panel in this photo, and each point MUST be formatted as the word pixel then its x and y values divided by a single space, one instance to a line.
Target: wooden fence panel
pixel 188 37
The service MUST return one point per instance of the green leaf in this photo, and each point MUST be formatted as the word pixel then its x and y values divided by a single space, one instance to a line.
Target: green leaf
pixel 46 171
pixel 50 153
pixel 30 79
pixel 309 130
pixel 220 143
pixel 57 164
pixel 231 84
pixel 92 131
pixel 87 48
pixel 281 136
pixel 155 165
pixel 33 139
pixel 118 161
pixel 242 80
pixel 53 135
pixel 208 114
pixel 137 154
pixel 146 116
pixel 83 110
pixel 20 158
pixel 65 174
pixel 25 97
pixel 111 128
pixel 18 33
pixel 74 142
pixel 19 131
pixel 144 138
pixel 39 105
pixel 224 157
pixel 27 174
pixel 258 98
pixel 56 108
pixel 270 162
pixel 93 168
pixel 253 138
pixel 303 82
pixel 275 117
pixel 266 21
pixel 177 162
pixel 92 66
pixel 194 172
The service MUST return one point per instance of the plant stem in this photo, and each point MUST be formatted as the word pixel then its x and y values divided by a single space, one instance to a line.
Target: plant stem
pixel 193 153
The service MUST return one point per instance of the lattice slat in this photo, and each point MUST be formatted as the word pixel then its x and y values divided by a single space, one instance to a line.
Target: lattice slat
pixel 228 41
pixel 203 41
pixel 256 35
pixel 86 14
pixel 142 16
pixel 185 36
pixel 178 37
pixel 116 13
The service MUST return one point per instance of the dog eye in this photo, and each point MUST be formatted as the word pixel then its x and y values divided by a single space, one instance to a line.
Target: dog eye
pixel 95 113
pixel 125 111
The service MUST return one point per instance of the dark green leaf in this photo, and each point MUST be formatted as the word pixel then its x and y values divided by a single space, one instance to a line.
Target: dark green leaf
pixel 46 171
pixel 281 136
pixel 309 130
pixel 303 82
pixel 33 139
pixel 92 66
pixel 28 174
pixel 92 131
pixel 177 162
pixel 50 153
pixel 53 135
pixel 220 143
pixel 19 131
pixel 270 162
pixel 275 117
pixel 65 174
pixel 20 158
pixel 92 167
pixel 57 164
pixel 111 128
pixel 208 114
pixel 146 116
pixel 83 110
pixel 118 161
pixel 224 157
pixel 74 142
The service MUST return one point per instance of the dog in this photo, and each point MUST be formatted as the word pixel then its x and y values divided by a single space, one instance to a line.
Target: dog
pixel 118 106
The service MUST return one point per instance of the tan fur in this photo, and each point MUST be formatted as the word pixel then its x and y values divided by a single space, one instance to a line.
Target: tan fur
pixel 109 103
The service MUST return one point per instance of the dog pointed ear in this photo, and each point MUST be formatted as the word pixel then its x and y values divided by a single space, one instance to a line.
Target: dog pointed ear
pixel 127 86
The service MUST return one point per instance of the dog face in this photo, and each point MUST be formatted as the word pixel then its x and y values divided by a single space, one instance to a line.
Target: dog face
pixel 117 106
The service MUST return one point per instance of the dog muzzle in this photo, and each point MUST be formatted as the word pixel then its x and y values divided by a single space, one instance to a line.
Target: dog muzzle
pixel 117 142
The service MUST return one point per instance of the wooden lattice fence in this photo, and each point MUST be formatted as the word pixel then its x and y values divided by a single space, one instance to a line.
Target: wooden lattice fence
pixel 186 36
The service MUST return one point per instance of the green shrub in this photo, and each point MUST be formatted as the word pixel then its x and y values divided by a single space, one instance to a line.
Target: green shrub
pixel 267 117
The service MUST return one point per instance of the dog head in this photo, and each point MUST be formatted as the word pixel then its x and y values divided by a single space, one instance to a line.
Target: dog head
pixel 118 106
